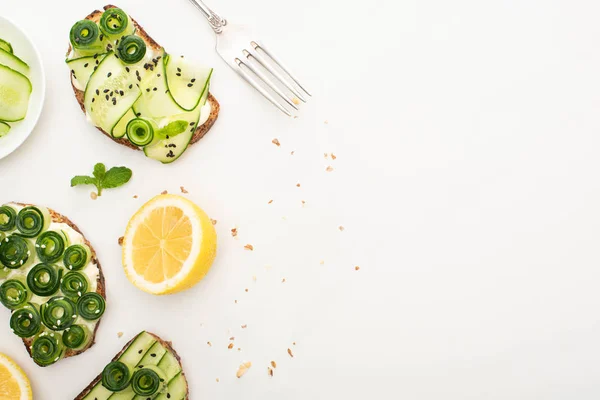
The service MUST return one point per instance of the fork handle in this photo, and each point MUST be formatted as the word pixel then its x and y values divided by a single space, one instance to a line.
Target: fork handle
pixel 216 22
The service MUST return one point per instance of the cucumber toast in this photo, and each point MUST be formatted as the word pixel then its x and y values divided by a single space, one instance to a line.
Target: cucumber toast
pixel 15 87
pixel 146 368
pixel 135 92
pixel 50 281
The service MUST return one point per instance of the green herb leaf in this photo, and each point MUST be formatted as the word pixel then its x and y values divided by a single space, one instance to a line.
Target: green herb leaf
pixel 173 129
pixel 102 179
pixel 116 176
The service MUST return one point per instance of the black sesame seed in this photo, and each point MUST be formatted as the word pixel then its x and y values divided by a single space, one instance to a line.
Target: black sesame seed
pixel 122 93
pixel 111 94
pixel 95 68
pixel 155 89
pixel 106 91
pixel 158 75
pixel 86 65
pixel 193 80
pixel 96 55
pixel 140 366
pixel 192 123
pixel 137 72
pixel 97 62
pixel 97 92
pixel 192 130
pixel 178 69
pixel 131 86
pixel 127 69
pixel 168 395
pixel 109 74
pixel 101 37
pixel 147 89
pixel 140 352
pixel 138 114
pixel 114 102
pixel 73 72
pixel 178 74
pixel 138 78
pixel 190 84
pixel 107 97
pixel 153 355
pixel 93 99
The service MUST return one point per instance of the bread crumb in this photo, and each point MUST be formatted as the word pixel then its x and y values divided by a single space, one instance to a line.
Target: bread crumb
pixel 273 364
pixel 296 101
pixel 283 280
pixel 217 380
pixel 243 368
pixel 246 290
pixel 329 168
pixel 121 241
pixel 254 278
pixel 326 122
pixel 322 262
pixel 303 203
pixel 235 301
pixel 213 221
pixel 232 338
pixel 135 196
pixel 294 343
pixel 119 334
pixel 356 268
pixel 230 346
pixel 270 370
pixel 290 353
pixel 276 142
pixel 234 232
pixel 341 228
pixel 209 344
pixel 297 184
pixel 244 326
pixel 164 192
pixel 295 116
pixel 93 195
pixel 183 189
pixel 249 247
pixel 333 156
pixel 292 153
pixel 270 201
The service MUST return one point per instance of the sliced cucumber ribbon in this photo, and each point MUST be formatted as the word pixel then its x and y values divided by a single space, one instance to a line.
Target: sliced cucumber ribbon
pixel 26 321
pixel 31 221
pixel 47 348
pixel 116 376
pixel 74 284
pixel 115 23
pixel 148 381
pixel 140 132
pixel 8 218
pixel 76 257
pixel 50 246
pixel 131 49
pixel 44 279
pixel 58 313
pixel 75 337
pixel 15 252
pixel 85 37
pixel 91 306
pixel 14 294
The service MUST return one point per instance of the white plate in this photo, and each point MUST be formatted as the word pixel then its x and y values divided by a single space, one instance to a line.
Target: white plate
pixel 24 48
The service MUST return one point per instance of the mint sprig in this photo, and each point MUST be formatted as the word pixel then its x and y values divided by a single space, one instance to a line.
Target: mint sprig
pixel 103 179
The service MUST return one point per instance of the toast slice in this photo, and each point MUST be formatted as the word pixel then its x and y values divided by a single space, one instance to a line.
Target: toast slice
pixel 100 284
pixel 79 94
pixel 96 383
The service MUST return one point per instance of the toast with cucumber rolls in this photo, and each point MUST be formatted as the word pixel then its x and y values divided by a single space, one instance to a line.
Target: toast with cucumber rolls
pixel 50 281
pixel 146 368
pixel 135 92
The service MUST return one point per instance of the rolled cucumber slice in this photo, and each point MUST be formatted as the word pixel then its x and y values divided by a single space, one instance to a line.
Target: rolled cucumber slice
pixel 110 93
pixel 4 128
pixel 120 128
pixel 83 68
pixel 15 90
pixel 186 82
pixel 6 46
pixel 14 62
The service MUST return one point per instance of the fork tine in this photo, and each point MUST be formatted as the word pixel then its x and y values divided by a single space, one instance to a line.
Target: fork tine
pixel 279 63
pixel 268 81
pixel 251 80
pixel 275 73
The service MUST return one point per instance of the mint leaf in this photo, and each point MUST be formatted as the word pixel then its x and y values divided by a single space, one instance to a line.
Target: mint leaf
pixel 82 180
pixel 173 129
pixel 99 171
pixel 116 176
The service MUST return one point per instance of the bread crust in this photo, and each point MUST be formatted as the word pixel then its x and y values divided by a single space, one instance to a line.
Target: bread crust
pixel 79 94
pixel 100 283
pixel 164 343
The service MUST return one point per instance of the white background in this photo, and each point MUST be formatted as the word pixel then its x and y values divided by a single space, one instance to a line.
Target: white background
pixel 467 137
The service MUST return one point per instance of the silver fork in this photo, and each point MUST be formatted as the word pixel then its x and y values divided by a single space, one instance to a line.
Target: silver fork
pixel 246 56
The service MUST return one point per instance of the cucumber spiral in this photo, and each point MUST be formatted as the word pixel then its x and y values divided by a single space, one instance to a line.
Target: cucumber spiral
pixel 75 337
pixel 8 218
pixel 58 313
pixel 116 376
pixel 50 246
pixel 26 321
pixel 31 221
pixel 74 284
pixel 131 49
pixel 147 381
pixel 91 306
pixel 15 252
pixel 85 37
pixel 47 348
pixel 115 23
pixel 44 279
pixel 140 132
pixel 76 257
pixel 14 294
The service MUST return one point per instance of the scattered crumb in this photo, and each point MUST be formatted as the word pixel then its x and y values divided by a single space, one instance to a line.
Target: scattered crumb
pixel 290 353
pixel 183 189
pixel 230 346
pixel 93 195
pixel 246 290
pixel 121 241
pixel 232 338
pixel 326 155
pixel 119 334
pixel 254 278
pixel 273 364
pixel 341 228
pixel 235 301
pixel 270 371
pixel 249 247
pixel 297 184
pixel 135 196
pixel 234 232
pixel 244 326
pixel 296 101
pixel 322 262
pixel 329 168
pixel 164 192
pixel 244 367
pixel 217 380
pixel 213 221
pixel 356 268
pixel 209 344
pixel 283 280
pixel 326 122
pixel 333 156
pixel 292 153
pixel 270 201
pixel 303 203
pixel 276 142
pixel 294 343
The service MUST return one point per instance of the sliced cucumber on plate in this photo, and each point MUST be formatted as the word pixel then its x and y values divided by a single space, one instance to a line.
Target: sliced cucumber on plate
pixel 6 46
pixel 4 128
pixel 15 90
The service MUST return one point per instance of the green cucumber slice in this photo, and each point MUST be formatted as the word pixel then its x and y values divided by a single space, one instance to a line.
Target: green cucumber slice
pixel 4 128
pixel 6 46
pixel 110 93
pixel 15 90
pixel 14 62
pixel 154 355
pixel 170 149
pixel 120 128
pixel 176 389
pixel 155 101
pixel 186 83
pixel 170 365
pixel 83 68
